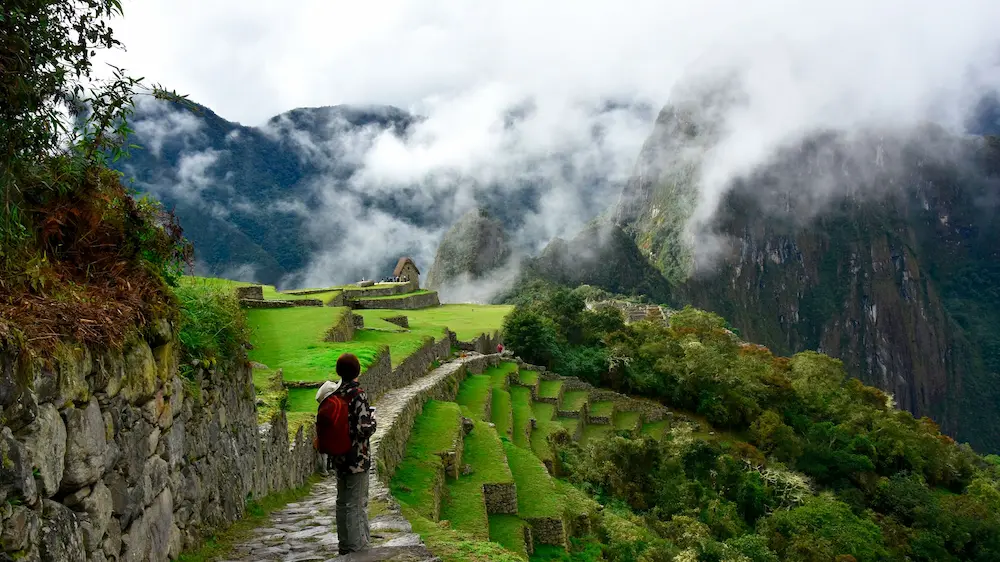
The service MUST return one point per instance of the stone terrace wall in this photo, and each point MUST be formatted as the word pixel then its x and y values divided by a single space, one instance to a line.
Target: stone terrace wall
pixel 380 291
pixel 113 456
pixel 409 302
pixel 254 303
pixel 401 321
pixel 400 407
pixel 485 343
pixel 255 292
pixel 375 378
pixel 343 330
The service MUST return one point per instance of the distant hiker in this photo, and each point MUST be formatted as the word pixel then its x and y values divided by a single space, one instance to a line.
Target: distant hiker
pixel 499 348
pixel 344 424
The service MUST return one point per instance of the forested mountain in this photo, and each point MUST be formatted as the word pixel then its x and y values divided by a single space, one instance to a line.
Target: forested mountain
pixel 876 247
pixel 298 199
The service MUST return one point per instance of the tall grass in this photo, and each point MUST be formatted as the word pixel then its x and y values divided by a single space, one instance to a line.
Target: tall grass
pixel 213 326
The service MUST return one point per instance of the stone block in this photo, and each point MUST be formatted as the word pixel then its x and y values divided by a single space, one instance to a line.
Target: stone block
pixel 400 320
pixel 253 292
pixel 45 442
pixel 501 498
pixel 61 536
pixel 86 446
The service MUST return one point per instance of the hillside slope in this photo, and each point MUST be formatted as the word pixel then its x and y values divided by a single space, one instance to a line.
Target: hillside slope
pixel 875 248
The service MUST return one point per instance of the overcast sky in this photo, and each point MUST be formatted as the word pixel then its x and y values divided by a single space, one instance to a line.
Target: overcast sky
pixel 251 59
pixel 802 64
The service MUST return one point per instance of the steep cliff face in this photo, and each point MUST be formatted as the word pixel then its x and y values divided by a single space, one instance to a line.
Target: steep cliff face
pixel 874 248
pixel 604 256
pixel 473 248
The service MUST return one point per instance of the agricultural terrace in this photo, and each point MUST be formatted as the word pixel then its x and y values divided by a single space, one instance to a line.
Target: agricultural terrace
pixel 451 509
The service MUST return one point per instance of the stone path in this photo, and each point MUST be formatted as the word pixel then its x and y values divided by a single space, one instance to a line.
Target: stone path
pixel 306 531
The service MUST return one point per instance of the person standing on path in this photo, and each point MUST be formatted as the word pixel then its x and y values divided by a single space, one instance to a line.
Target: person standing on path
pixel 344 425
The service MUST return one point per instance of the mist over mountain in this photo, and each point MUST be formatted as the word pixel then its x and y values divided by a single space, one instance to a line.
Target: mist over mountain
pixel 874 245
pixel 322 195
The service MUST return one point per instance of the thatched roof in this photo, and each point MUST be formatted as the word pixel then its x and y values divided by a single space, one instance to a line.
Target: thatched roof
pixel 399 266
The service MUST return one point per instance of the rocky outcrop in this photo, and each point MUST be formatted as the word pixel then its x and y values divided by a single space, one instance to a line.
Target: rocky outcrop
pixel 112 455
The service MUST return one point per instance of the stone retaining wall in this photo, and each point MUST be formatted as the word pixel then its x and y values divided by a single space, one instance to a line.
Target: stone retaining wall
pixel 407 302
pixel 581 413
pixel 379 291
pixel 484 343
pixel 254 303
pixel 255 292
pixel 111 455
pixel 358 321
pixel 500 498
pixel 401 321
pixel 548 530
pixel 343 330
pixel 375 378
pixel 400 407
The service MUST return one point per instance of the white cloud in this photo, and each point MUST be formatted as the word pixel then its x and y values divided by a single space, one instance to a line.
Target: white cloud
pixel 159 123
pixel 842 64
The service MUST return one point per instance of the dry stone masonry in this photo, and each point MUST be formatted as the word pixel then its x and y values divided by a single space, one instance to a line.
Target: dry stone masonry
pixel 403 302
pixel 112 455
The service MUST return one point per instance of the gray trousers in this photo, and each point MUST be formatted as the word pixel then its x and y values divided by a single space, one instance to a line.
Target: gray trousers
pixel 352 511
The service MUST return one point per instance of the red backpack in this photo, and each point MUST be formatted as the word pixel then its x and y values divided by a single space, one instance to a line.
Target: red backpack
pixel 333 431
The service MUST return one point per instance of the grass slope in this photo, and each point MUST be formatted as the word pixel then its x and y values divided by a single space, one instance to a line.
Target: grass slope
pixel 473 394
pixel 545 425
pixel 626 420
pixel 602 409
pixel 508 531
pixel 529 378
pixel 520 398
pixel 483 451
pixel 292 339
pixel 593 432
pixel 433 432
pixel 501 406
pixel 573 400
pixel 656 429
pixel 549 389
pixel 571 424
pixel 468 321
pixel 501 412
pixel 536 495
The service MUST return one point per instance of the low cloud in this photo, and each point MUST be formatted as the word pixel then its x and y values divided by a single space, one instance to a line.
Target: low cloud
pixel 511 90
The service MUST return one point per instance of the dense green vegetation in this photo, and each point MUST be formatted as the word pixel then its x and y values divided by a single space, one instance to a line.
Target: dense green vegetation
pixel 80 257
pixel 798 462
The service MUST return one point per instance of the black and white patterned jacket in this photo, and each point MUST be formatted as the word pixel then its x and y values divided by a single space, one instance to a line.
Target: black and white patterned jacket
pixel 362 426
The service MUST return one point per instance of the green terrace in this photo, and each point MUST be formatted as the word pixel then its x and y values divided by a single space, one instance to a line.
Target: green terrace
pixel 293 339
pixel 513 453
pixel 270 293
